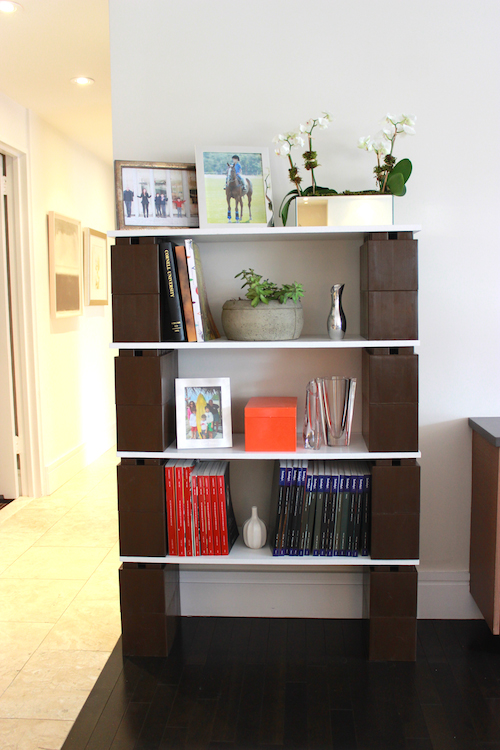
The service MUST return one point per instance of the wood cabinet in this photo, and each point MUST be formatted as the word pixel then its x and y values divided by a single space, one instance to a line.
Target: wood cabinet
pixel 387 415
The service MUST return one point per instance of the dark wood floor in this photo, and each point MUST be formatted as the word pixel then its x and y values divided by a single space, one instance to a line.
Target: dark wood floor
pixel 256 683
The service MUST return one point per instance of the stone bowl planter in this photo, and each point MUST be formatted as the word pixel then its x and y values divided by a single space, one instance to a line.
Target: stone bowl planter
pixel 271 322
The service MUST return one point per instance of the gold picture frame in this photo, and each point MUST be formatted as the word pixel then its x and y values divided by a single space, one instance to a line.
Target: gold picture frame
pixel 95 267
pixel 156 195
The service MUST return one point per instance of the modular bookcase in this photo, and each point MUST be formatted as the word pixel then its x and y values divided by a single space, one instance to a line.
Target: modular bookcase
pixel 387 436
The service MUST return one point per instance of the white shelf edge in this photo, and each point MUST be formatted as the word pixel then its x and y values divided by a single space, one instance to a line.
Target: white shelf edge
pixel 305 342
pixel 270 233
pixel 253 558
pixel 357 450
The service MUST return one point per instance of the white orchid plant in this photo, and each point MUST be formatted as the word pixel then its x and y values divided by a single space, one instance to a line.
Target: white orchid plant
pixel 391 176
pixel 284 145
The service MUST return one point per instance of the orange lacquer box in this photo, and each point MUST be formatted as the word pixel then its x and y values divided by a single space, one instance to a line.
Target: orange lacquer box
pixel 271 424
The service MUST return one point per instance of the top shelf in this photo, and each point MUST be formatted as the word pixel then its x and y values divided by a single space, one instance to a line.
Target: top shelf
pixel 247 234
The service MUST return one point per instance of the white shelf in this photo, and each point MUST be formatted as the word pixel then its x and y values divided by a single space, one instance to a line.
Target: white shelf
pixel 242 555
pixel 356 450
pixel 236 233
pixel 304 342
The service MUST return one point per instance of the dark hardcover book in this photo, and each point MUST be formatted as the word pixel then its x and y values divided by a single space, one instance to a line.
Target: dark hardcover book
pixel 277 508
pixel 366 515
pixel 320 499
pixel 359 510
pixel 299 506
pixel 353 501
pixel 311 515
pixel 185 291
pixel 231 527
pixel 327 504
pixel 306 507
pixel 346 509
pixel 333 508
pixel 290 531
pixel 173 328
pixel 341 501
pixel 286 508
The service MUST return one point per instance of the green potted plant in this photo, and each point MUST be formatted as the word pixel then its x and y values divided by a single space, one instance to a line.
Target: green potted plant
pixel 269 312
pixel 321 206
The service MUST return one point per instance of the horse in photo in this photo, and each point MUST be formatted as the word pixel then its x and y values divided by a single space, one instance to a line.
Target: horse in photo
pixel 234 189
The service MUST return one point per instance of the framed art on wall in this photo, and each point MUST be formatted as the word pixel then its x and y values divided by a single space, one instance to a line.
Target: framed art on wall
pixel 234 186
pixel 155 194
pixel 65 266
pixel 95 267
pixel 203 407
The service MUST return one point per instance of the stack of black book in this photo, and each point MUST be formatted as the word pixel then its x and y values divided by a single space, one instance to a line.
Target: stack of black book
pixel 321 508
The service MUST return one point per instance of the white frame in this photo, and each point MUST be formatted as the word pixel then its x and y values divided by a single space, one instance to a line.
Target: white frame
pixel 57 260
pixel 95 244
pixel 226 441
pixel 263 151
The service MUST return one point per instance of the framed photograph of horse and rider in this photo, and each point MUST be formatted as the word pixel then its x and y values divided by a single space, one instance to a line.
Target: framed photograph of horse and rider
pixel 234 186
pixel 155 194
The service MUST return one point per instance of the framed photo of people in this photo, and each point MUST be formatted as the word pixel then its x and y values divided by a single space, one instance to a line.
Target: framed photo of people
pixel 152 195
pixel 234 186
pixel 203 412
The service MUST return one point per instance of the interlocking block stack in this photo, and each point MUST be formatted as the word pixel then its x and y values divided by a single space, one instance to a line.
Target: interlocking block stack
pixel 395 518
pixel 393 613
pixel 141 507
pixel 150 608
pixel 389 286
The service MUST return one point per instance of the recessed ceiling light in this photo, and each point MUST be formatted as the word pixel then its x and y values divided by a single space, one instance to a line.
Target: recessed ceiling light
pixel 6 6
pixel 82 80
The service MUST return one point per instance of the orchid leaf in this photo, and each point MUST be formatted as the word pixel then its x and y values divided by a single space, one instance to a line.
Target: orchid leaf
pixel 396 183
pixel 404 168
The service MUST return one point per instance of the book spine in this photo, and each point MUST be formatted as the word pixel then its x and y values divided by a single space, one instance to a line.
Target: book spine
pixel 188 510
pixel 221 496
pixel 299 506
pixel 209 515
pixel 290 531
pixel 320 494
pixel 279 508
pixel 305 511
pixel 193 285
pixel 172 318
pixel 333 515
pixel 286 511
pixel 196 515
pixel 365 520
pixel 185 292
pixel 202 514
pixel 171 515
pixel 311 511
pixel 357 519
pixel 339 514
pixel 326 515
pixel 179 496
pixel 353 500
pixel 215 514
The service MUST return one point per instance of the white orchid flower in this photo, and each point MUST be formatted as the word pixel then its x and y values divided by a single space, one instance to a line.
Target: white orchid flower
pixel 283 150
pixel 303 128
pixel 365 143
pixel 381 148
pixel 328 117
pixel 408 120
pixel 388 134
pixel 298 141
pixel 408 130
pixel 323 123
pixel 278 138
pixel 392 119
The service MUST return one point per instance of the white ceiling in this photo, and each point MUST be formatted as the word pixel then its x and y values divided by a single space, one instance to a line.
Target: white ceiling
pixel 46 44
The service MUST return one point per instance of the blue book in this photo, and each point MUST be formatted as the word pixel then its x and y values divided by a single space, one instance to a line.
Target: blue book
pixel 306 508
pixel 279 506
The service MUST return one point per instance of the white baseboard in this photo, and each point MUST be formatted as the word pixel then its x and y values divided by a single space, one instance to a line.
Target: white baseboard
pixel 269 593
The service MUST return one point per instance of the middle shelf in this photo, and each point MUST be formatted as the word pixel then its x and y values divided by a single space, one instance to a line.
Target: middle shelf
pixel 352 341
pixel 356 450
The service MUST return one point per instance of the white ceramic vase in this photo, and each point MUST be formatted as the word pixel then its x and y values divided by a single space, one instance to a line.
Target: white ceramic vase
pixel 254 531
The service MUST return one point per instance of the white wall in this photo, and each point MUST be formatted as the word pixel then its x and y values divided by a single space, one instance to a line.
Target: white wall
pixel 74 364
pixel 237 74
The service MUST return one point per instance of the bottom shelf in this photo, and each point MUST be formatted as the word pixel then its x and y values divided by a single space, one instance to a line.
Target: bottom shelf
pixel 242 555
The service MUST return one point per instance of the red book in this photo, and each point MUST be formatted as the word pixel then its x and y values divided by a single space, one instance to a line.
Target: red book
pixel 179 504
pixel 208 509
pixel 214 506
pixel 197 479
pixel 221 497
pixel 170 500
pixel 188 507
pixel 196 513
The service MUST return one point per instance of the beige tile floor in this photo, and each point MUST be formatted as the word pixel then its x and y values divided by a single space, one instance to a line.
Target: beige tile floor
pixel 59 606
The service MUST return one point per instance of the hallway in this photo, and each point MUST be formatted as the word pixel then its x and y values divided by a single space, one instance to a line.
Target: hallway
pixel 59 605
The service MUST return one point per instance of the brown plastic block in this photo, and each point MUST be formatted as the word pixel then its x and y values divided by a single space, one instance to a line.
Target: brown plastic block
pixel 390 427
pixel 148 635
pixel 146 380
pixel 135 269
pixel 376 236
pixel 141 487
pixel 395 489
pixel 390 378
pixel 393 639
pixel 388 315
pixel 389 265
pixel 144 427
pixel 136 317
pixel 124 240
pixel 145 240
pixel 143 534
pixel 147 590
pixel 395 536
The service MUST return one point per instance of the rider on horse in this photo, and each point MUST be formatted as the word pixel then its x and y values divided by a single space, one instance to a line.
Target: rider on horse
pixel 239 174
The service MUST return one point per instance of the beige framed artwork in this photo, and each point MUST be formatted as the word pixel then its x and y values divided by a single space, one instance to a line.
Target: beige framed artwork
pixel 65 266
pixel 95 267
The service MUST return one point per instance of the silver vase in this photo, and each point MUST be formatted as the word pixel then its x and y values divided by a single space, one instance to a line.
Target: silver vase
pixel 336 322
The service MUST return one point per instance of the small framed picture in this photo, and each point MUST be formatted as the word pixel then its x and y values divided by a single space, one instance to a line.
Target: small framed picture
pixel 95 267
pixel 155 194
pixel 234 186
pixel 203 407
pixel 65 266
